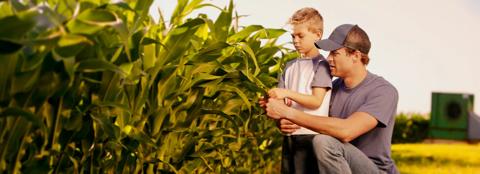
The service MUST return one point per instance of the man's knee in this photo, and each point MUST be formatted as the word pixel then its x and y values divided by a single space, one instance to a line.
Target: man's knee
pixel 324 140
pixel 325 145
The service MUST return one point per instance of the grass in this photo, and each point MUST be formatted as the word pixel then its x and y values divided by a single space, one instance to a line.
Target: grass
pixel 437 158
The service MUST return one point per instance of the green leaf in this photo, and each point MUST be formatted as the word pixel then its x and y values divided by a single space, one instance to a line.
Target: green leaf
pixel 71 44
pixel 96 65
pixel 18 5
pixel 211 87
pixel 149 56
pixel 148 41
pixel 182 9
pixel 252 56
pixel 98 17
pixel 233 107
pixel 72 39
pixel 116 54
pixel 222 24
pixel 7 69
pixel 14 27
pixel 32 62
pixel 241 35
pixel 9 47
pixel 69 65
pixel 178 42
pixel 239 92
pixel 123 5
pixel 80 27
pixel 18 112
pixel 105 126
pixel 270 33
pixel 92 20
pixel 166 87
pixel 24 81
pixel 6 10
pixel 127 68
pixel 209 53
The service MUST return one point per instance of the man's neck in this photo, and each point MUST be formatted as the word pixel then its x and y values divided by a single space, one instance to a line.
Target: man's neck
pixel 355 77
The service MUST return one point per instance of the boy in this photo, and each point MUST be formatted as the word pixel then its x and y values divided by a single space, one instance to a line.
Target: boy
pixel 305 83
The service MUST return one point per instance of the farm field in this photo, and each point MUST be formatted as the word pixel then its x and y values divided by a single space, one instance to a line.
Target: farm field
pixel 437 158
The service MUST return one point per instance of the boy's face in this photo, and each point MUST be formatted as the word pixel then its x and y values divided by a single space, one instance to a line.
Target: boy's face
pixel 304 39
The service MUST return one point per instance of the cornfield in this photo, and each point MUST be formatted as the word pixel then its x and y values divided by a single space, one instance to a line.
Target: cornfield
pixel 96 86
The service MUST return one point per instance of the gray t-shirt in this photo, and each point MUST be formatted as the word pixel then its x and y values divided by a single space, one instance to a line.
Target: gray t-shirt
pixel 321 77
pixel 377 97
pixel 301 76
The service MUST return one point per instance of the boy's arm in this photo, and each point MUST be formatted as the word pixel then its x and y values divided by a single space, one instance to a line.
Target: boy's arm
pixel 308 101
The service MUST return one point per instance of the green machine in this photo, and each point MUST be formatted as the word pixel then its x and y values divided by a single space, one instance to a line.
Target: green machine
pixel 451 115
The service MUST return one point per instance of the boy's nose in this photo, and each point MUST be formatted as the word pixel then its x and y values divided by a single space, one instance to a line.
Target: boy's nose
pixel 296 40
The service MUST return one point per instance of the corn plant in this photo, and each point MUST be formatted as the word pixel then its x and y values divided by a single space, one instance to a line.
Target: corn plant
pixel 99 87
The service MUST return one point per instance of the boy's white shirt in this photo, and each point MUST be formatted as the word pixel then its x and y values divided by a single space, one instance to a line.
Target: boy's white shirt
pixel 298 77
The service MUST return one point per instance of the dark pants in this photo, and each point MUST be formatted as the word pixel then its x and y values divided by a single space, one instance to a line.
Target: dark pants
pixel 298 156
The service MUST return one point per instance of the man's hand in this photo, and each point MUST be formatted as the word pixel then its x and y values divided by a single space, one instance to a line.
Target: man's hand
pixel 277 109
pixel 278 93
pixel 286 126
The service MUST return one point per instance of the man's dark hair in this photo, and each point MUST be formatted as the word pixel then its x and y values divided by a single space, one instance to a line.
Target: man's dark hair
pixel 357 39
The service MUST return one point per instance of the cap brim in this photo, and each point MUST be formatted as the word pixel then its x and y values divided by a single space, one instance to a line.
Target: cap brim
pixel 327 45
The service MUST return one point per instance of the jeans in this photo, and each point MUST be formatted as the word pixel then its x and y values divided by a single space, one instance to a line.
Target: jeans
pixel 335 157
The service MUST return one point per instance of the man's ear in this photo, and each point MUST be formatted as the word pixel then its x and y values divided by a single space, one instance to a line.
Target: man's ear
pixel 357 56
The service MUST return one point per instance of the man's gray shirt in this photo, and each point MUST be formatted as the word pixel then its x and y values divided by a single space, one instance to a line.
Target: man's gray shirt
pixel 377 97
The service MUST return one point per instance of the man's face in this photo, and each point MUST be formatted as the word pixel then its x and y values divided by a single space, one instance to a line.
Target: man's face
pixel 340 62
pixel 303 39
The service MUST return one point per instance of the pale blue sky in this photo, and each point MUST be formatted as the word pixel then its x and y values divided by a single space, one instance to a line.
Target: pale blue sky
pixel 419 46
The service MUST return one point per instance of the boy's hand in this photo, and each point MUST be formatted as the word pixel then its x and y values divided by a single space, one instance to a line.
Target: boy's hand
pixel 278 93
pixel 288 102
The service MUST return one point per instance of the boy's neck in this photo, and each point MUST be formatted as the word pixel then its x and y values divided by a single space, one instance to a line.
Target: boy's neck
pixel 311 54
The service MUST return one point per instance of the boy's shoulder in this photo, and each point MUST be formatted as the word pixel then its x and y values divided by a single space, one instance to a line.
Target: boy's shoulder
pixel 317 62
pixel 317 59
pixel 290 62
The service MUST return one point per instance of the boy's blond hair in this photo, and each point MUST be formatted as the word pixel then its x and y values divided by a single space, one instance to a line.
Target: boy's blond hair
pixel 308 16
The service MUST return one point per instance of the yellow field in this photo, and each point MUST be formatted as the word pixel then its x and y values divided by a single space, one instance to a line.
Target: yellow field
pixel 437 158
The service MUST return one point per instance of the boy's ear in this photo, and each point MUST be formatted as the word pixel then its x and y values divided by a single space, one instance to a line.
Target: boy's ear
pixel 319 35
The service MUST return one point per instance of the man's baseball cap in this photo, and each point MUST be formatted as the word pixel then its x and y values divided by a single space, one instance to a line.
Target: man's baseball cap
pixel 338 38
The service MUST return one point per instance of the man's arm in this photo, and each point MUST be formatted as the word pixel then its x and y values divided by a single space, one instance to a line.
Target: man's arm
pixel 308 101
pixel 343 129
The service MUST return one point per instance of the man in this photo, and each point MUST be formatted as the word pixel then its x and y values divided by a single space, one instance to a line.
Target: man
pixel 356 137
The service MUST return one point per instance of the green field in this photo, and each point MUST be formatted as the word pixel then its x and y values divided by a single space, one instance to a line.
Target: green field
pixel 437 158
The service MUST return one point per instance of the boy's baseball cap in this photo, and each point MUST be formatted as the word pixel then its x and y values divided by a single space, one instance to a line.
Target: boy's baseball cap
pixel 337 39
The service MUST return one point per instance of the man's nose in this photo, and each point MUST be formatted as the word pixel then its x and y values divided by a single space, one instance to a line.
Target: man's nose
pixel 330 58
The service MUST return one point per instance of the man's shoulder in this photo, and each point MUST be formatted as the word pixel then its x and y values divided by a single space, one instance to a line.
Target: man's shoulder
pixel 378 82
pixel 379 86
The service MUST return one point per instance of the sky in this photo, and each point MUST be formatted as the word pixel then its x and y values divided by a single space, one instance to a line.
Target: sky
pixel 419 46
